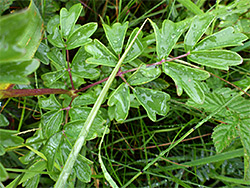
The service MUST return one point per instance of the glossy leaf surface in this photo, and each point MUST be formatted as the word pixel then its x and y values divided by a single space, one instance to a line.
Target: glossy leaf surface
pixel 51 77
pixel 8 138
pixel 154 102
pixel 41 53
pixel 73 128
pixel 220 59
pixel 51 122
pixel 167 36
pixel 56 39
pixel 68 18
pixel 224 38
pixel 82 169
pixel 157 84
pixel 16 72
pixel 120 102
pixel 81 36
pixel 187 78
pixel 85 99
pixel 116 35
pixel 57 58
pixel 144 75
pixel 53 23
pixel 21 41
pixel 137 48
pixel 101 55
pixel 199 25
pixel 51 148
pixel 49 103
pixel 83 69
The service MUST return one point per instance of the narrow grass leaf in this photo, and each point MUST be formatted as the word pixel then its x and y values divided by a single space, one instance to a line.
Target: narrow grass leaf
pixel 191 6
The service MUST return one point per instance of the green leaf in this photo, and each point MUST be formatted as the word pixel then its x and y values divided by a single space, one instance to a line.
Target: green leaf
pixel 82 169
pixel 116 35
pixel 81 68
pixel 223 135
pixel 8 138
pixel 49 103
pixel 191 6
pixel 56 39
pixel 53 23
pixel 224 38
pixel 21 34
pixel 3 173
pixel 144 75
pixel 220 59
pixel 41 53
pixel 137 48
pixel 167 36
pixel 69 18
pixel 157 84
pixel 51 122
pixel 3 121
pixel 50 149
pixel 154 102
pixel 51 77
pixel 84 99
pixel 57 58
pixel 81 36
pixel 16 72
pixel 2 150
pixel 4 6
pixel 32 182
pixel 120 99
pixel 244 130
pixel 73 128
pixel 187 78
pixel 101 54
pixel 198 27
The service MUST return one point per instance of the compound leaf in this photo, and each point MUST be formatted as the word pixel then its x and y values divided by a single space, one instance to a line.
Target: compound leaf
pixel 49 103
pixel 57 58
pixel 187 78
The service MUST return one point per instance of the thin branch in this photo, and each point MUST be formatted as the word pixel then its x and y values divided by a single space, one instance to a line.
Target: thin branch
pixel 69 70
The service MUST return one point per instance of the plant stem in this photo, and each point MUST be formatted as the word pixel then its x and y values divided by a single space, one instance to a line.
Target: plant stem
pixel 69 70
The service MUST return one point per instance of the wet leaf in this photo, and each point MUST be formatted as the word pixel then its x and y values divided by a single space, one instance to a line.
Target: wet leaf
pixel 32 182
pixel 224 38
pixel 220 59
pixel 157 84
pixel 167 36
pixel 81 68
pixel 82 169
pixel 50 149
pixel 84 99
pixel 68 19
pixel 41 53
pixel 51 122
pixel 144 75
pixel 137 48
pixel 16 72
pixel 116 35
pixel 101 55
pixel 198 27
pixel 49 103
pixel 119 100
pixel 51 77
pixel 57 58
pixel 56 38
pixel 53 23
pixel 81 36
pixel 3 121
pixel 187 78
pixel 8 138
pixel 154 102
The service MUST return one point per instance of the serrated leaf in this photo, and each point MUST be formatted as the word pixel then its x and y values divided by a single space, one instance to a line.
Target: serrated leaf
pixel 101 54
pixel 116 35
pixel 81 68
pixel 51 148
pixel 224 38
pixel 41 53
pixel 121 101
pixel 3 121
pixel 49 103
pixel 167 36
pixel 51 122
pixel 244 130
pixel 137 48
pixel 73 128
pixel 16 72
pixel 199 25
pixel 154 102
pixel 56 39
pixel 68 18
pixel 144 75
pixel 187 78
pixel 21 34
pixel 220 59
pixel 81 36
pixel 224 134
pixel 57 58
pixel 51 77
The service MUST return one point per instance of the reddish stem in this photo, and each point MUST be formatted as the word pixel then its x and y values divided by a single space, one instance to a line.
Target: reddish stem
pixel 69 71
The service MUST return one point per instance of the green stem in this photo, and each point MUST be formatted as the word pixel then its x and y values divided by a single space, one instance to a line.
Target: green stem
pixel 22 115
pixel 61 182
